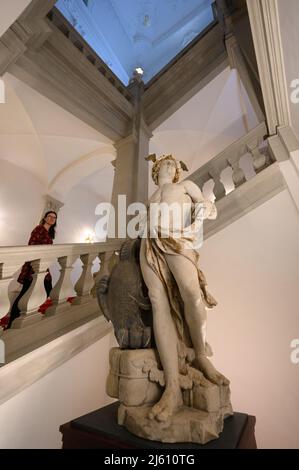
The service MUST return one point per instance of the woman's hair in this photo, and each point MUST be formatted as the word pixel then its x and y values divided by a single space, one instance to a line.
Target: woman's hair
pixel 156 169
pixel 52 230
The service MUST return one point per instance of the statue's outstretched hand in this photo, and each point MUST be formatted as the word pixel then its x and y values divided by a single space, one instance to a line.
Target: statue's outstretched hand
pixel 211 210
pixel 206 210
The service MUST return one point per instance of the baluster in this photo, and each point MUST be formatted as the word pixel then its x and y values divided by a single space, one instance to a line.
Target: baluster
pixel 238 175
pixel 85 283
pixel 107 262
pixel 259 160
pixel 7 271
pixel 218 190
pixel 64 288
pixel 36 294
pixel 206 186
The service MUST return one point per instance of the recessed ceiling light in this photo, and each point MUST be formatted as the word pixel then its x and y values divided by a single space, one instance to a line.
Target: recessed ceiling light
pixel 139 70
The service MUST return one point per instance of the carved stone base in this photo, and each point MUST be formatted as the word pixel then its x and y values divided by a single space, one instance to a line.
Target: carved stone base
pixel 186 425
pixel 137 380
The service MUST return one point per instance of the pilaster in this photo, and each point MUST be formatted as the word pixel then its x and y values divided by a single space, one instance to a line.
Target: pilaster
pixel 285 149
pixel 131 168
pixel 264 20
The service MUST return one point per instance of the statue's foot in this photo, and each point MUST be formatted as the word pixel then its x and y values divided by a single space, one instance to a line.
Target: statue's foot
pixel 171 400
pixel 209 371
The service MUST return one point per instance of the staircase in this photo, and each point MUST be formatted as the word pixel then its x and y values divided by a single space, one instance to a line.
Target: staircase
pixel 242 177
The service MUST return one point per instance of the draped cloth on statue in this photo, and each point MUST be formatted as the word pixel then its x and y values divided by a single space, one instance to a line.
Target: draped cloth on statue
pixel 156 249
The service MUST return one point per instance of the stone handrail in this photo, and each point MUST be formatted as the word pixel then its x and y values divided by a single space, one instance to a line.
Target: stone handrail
pixel 41 257
pixel 253 143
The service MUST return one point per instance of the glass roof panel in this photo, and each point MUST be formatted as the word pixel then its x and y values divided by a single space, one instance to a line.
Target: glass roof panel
pixel 127 34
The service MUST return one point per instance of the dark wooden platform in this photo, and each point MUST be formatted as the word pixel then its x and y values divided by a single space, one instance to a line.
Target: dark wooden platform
pixel 99 430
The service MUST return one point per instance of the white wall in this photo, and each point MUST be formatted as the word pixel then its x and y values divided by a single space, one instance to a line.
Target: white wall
pixel 252 269
pixel 77 217
pixel 32 418
pixel 21 204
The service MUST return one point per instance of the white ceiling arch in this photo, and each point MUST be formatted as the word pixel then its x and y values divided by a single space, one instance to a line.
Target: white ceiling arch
pixel 19 141
pixel 41 137
pixel 80 170
pixel 214 118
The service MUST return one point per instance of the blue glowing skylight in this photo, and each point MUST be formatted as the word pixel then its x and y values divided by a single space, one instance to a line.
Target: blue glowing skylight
pixel 127 34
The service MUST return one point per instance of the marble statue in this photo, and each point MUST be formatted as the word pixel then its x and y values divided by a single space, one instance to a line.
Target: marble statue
pixel 172 392
pixel 170 264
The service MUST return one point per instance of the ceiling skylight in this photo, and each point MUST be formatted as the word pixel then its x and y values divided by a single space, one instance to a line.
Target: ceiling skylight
pixel 131 34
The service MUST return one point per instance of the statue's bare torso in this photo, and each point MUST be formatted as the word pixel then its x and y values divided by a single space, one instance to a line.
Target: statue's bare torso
pixel 180 199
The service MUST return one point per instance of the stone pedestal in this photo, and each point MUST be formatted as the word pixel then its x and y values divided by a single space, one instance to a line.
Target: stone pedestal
pixel 137 380
pixel 99 430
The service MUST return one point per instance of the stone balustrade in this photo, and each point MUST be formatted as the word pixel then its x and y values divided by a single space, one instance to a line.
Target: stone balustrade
pixel 254 145
pixel 32 328
pixel 41 258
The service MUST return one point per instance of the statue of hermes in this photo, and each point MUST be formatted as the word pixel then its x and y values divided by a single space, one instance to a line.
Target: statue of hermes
pixel 169 260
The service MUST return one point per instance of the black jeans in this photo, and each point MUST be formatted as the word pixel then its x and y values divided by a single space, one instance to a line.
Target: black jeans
pixel 15 311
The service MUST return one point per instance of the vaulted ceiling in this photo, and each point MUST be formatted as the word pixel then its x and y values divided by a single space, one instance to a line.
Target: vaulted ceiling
pixel 127 34
pixel 61 151
pixel 52 144
pixel 214 118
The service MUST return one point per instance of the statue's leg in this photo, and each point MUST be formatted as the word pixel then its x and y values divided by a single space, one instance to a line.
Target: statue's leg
pixel 166 341
pixel 186 276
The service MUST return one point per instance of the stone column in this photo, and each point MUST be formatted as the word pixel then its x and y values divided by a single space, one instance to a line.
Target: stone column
pixel 131 168
pixel 284 148
pixel 265 27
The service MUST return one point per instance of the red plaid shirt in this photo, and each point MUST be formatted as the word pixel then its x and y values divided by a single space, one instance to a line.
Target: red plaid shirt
pixel 39 236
